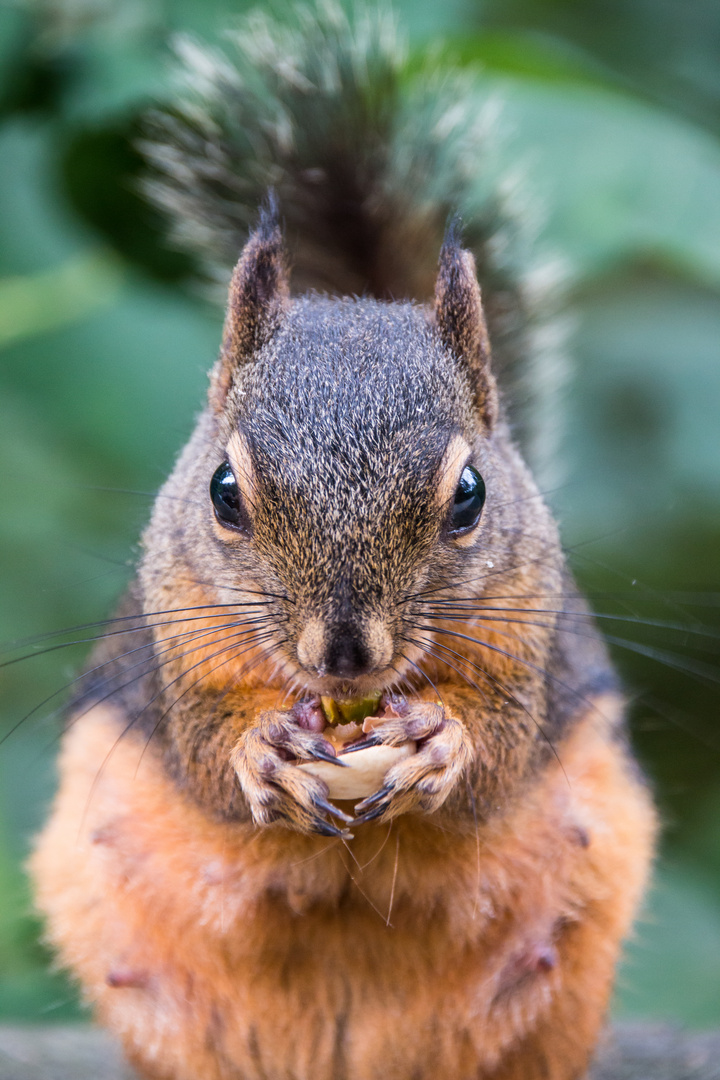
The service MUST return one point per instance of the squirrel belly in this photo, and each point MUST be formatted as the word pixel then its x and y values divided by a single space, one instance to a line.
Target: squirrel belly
pixel 415 950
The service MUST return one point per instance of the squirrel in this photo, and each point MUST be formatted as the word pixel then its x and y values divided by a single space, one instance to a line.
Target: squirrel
pixel 352 520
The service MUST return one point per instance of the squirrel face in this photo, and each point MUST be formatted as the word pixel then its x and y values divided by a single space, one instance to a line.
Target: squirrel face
pixel 341 470
pixel 347 478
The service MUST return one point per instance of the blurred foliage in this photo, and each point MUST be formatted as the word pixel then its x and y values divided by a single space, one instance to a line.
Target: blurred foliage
pixel 662 49
pixel 611 108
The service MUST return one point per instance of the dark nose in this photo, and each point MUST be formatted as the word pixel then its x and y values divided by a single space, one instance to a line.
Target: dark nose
pixel 347 655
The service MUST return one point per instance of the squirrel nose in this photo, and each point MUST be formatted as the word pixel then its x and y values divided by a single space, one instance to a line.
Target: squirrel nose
pixel 346 649
pixel 347 654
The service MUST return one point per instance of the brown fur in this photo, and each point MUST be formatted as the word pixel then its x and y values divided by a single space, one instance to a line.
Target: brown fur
pixel 415 950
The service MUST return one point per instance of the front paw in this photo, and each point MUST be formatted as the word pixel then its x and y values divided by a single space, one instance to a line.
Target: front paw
pixel 264 760
pixel 425 780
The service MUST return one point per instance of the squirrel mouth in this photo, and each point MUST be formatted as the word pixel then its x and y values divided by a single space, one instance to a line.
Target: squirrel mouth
pixel 345 721
pixel 341 711
pixel 343 689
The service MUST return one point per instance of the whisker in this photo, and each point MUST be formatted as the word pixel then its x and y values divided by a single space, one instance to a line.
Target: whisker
pixel 549 550
pixel 478 875
pixel 362 867
pixel 425 676
pixel 536 495
pixel 683 720
pixel 130 491
pixel 356 883
pixel 460 610
pixel 243 671
pixel 679 662
pixel 119 619
pixel 426 647
pixel 152 700
pixel 511 656
pixel 193 635
pixel 242 589
pixel 394 877
pixel 507 692
pixel 151 671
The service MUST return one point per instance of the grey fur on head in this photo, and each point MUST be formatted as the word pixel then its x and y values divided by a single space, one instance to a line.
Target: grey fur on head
pixel 368 161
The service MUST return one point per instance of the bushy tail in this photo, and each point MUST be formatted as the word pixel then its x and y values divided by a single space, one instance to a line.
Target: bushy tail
pixel 368 158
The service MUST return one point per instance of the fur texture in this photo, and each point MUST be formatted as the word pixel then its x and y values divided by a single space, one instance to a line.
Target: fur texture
pixel 351 516
pixel 419 950
pixel 521 833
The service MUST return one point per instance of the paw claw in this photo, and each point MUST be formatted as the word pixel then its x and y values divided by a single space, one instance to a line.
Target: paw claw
pixel 325 828
pixel 371 815
pixel 331 759
pixel 373 800
pixel 276 790
pixel 328 808
pixel 363 744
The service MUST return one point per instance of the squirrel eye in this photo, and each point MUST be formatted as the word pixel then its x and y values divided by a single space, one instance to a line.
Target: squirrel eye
pixel 226 500
pixel 469 501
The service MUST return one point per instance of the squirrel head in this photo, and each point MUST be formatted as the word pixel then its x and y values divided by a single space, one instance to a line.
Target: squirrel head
pixel 340 472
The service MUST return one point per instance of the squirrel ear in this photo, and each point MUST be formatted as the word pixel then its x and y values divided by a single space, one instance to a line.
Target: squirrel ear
pixel 461 321
pixel 259 288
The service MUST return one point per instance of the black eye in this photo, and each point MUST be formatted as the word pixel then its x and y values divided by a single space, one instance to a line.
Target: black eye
pixel 225 495
pixel 469 501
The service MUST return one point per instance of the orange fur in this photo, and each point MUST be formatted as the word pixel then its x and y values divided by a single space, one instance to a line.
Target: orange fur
pixel 420 949
pixel 197 646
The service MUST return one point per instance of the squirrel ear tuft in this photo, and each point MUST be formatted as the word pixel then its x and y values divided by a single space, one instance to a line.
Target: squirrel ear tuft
pixel 461 321
pixel 259 288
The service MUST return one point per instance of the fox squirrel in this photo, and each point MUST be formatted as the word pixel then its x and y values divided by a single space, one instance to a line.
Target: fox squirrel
pixel 351 522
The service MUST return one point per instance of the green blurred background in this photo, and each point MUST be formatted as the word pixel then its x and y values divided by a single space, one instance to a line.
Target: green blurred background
pixel 612 109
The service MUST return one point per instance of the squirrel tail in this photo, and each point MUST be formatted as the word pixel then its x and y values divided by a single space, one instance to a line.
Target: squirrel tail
pixel 369 153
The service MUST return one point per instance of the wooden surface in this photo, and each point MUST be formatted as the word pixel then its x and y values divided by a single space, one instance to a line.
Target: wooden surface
pixel 644 1052
pixel 59 1052
pixel 77 1052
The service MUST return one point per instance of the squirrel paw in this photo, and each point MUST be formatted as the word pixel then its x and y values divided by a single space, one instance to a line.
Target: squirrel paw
pixel 423 781
pixel 264 761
